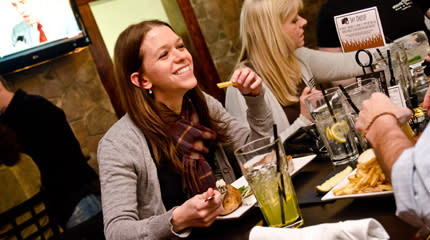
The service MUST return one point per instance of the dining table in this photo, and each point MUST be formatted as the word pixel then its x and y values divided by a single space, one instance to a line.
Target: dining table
pixel 314 211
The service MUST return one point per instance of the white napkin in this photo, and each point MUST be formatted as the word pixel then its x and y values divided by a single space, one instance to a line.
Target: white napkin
pixel 364 229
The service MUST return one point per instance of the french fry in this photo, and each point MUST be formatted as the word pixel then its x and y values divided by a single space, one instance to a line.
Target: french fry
pixel 368 177
pixel 226 84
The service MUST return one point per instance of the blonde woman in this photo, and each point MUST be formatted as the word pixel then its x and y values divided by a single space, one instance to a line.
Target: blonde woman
pixel 272 37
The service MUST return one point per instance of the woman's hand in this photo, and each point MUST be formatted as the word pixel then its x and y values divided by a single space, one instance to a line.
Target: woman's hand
pixel 248 82
pixel 197 212
pixel 303 109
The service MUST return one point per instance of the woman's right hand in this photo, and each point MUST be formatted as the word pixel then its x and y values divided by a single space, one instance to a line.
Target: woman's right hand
pixel 196 212
pixel 303 109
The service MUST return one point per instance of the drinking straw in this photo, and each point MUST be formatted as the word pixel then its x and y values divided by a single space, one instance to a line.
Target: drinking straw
pixel 275 136
pixel 332 113
pixel 382 57
pixel 348 98
pixel 328 103
pixel 281 189
pixel 390 66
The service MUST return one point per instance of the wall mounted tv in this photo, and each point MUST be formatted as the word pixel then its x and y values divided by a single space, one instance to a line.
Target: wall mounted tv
pixel 33 31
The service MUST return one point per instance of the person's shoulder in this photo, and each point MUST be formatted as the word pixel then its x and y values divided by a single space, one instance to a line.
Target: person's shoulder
pixel 304 52
pixel 123 129
pixel 21 26
pixel 123 136
pixel 35 102
pixel 211 101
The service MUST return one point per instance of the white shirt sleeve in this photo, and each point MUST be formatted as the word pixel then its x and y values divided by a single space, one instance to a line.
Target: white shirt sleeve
pixel 410 178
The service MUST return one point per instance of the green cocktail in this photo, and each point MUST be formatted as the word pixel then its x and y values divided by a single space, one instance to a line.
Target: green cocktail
pixel 276 198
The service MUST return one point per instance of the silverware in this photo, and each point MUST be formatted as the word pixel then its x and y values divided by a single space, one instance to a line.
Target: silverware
pixel 209 198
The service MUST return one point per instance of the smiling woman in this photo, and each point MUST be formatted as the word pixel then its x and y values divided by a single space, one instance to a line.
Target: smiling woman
pixel 161 157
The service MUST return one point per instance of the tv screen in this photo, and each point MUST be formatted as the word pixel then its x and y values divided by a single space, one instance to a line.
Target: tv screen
pixel 32 31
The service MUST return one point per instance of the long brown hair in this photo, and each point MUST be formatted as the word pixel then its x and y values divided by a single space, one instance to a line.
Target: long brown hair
pixel 140 105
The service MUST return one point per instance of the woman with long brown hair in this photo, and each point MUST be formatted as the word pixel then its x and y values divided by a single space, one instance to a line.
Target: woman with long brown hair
pixel 158 162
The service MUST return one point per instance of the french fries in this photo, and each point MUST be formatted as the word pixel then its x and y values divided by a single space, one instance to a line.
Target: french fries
pixel 369 177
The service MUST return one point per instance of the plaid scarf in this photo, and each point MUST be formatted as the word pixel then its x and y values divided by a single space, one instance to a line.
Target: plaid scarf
pixel 191 140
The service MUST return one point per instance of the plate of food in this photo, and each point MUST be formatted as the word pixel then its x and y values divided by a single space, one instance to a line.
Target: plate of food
pixel 234 209
pixel 247 200
pixel 367 180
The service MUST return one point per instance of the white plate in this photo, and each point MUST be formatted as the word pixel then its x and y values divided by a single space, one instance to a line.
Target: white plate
pixel 300 162
pixel 250 201
pixel 331 196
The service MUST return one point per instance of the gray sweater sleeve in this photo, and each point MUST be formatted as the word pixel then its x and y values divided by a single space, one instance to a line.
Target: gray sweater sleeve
pixel 328 66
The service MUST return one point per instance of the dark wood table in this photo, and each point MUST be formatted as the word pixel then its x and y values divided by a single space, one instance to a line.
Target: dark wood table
pixel 380 208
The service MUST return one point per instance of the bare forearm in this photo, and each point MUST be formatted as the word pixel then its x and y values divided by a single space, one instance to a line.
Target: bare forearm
pixel 388 140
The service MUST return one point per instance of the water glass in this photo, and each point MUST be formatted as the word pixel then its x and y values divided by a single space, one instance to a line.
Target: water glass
pixel 398 73
pixel 333 123
pixel 358 92
pixel 416 46
pixel 362 90
pixel 264 165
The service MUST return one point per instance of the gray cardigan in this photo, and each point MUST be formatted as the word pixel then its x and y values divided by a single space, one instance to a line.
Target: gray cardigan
pixel 131 196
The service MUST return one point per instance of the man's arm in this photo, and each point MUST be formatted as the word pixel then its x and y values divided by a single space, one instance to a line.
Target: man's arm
pixel 388 141
pixel 384 132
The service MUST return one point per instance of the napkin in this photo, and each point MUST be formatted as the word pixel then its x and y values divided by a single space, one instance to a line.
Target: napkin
pixel 362 229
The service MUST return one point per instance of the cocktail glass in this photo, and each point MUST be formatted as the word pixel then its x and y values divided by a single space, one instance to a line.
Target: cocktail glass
pixel 264 165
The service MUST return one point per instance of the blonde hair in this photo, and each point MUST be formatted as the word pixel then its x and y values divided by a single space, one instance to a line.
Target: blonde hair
pixel 267 47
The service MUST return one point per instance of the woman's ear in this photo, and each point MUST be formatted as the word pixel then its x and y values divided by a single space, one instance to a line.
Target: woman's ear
pixel 139 81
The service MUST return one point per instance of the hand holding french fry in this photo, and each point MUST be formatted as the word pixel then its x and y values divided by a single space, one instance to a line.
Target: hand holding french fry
pixel 246 80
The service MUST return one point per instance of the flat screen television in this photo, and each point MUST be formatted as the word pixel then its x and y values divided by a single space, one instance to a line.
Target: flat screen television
pixel 33 31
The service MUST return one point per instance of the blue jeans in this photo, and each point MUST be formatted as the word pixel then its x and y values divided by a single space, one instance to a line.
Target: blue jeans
pixel 89 206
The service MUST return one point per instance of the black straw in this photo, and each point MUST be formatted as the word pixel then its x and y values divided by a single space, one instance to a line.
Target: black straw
pixel 348 98
pixel 281 189
pixel 390 66
pixel 328 103
pixel 275 136
pixel 382 56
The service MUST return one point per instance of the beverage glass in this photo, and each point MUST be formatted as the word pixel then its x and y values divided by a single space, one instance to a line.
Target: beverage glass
pixel 398 71
pixel 358 92
pixel 416 46
pixel 264 165
pixel 362 90
pixel 334 125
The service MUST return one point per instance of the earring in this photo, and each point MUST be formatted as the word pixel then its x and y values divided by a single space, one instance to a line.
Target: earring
pixel 149 91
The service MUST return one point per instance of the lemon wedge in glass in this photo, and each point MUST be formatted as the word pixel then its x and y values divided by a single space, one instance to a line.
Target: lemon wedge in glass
pixel 339 130
pixel 328 133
